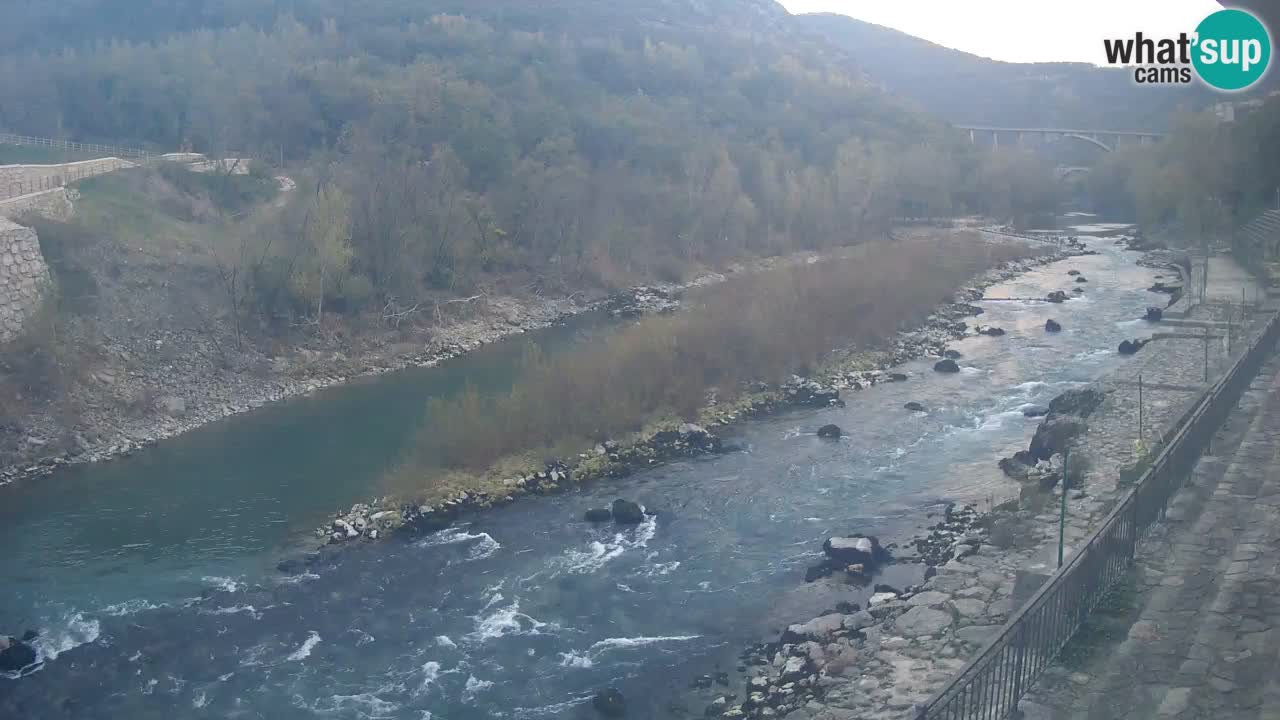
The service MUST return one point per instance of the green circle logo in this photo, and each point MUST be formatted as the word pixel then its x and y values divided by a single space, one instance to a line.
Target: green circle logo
pixel 1232 50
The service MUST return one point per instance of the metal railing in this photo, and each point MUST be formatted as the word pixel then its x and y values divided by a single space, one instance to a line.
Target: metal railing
pixel 116 150
pixel 990 685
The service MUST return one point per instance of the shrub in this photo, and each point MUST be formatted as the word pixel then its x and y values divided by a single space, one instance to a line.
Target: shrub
pixel 762 326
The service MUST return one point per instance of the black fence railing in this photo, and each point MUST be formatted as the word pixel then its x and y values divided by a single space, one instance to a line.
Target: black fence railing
pixel 990 685
pixel 106 150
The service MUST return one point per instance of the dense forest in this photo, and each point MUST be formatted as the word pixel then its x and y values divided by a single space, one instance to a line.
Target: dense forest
pixel 438 145
pixel 1206 179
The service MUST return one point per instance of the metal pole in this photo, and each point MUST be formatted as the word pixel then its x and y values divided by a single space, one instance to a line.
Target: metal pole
pixel 1062 515
pixel 1142 436
pixel 1206 355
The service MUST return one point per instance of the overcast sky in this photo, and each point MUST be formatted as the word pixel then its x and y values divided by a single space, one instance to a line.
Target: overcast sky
pixel 1023 30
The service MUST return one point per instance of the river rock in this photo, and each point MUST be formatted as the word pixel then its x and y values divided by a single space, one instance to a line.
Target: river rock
pixel 1035 411
pixel 880 598
pixel 921 620
pixel 952 354
pixel 946 365
pixel 1154 314
pixel 1057 296
pixel 990 330
pixel 1082 279
pixel 820 629
pixel 1079 401
pixel 914 406
pixel 626 512
pixel 829 431
pixel 1073 272
pixel 641 301
pixel 1015 469
pixel 794 668
pixel 855 549
pixel 609 703
pixel 799 391
pixel 598 515
pixel 1130 347
pixel 1054 435
pixel 898 377
pixel 1052 325
pixel 15 654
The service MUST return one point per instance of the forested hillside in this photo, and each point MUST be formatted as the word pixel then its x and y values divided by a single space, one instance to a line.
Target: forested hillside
pixel 572 143
pixel 1208 178
pixel 967 89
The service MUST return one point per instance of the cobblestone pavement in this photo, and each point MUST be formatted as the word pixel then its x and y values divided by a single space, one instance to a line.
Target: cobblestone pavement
pixel 1203 641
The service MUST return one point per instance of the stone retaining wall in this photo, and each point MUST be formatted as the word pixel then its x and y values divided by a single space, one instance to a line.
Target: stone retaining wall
pixel 24 277
pixel 17 180
pixel 53 204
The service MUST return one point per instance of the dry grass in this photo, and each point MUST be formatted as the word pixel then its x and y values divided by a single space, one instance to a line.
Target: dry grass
pixel 761 327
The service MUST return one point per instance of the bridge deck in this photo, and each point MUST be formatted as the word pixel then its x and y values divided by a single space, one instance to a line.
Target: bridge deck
pixel 1065 131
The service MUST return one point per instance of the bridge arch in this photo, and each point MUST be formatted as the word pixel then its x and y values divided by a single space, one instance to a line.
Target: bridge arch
pixel 1090 139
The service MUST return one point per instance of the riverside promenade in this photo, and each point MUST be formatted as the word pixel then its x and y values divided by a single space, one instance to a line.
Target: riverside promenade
pixel 1197 634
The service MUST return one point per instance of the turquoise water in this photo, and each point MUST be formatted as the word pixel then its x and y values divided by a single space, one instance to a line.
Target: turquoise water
pixel 153 576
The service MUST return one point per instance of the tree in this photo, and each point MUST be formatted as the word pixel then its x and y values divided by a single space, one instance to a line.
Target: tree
pixel 327 239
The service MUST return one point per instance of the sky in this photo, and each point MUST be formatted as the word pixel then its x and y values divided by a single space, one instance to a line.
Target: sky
pixel 1023 30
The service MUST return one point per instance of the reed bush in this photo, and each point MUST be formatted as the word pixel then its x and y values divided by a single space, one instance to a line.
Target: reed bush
pixel 762 326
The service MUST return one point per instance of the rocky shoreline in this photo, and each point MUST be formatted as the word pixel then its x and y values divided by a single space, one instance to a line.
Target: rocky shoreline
pixel 885 660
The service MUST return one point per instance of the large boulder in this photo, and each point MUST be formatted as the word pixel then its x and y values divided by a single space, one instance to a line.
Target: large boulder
pixel 946 365
pixel 1080 401
pixel 15 654
pixel 819 629
pixel 855 550
pixel 1054 435
pixel 1035 411
pixel 799 391
pixel 626 512
pixel 609 703
pixel 1015 469
pixel 1052 325
pixel 830 431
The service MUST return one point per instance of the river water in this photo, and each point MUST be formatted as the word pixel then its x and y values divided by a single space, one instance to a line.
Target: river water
pixel 153 578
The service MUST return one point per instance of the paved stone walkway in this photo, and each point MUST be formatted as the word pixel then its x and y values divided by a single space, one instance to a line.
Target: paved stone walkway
pixel 1205 641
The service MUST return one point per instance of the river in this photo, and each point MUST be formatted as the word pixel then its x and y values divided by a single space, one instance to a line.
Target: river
pixel 153 576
